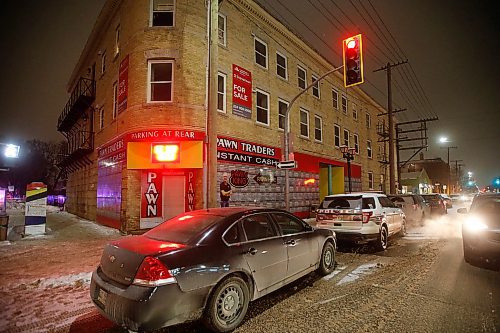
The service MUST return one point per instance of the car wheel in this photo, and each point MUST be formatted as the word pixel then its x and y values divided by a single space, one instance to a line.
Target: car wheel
pixel 227 305
pixel 402 232
pixel 327 260
pixel 383 239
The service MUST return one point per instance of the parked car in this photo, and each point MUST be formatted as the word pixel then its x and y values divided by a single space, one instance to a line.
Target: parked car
pixel 447 200
pixel 361 218
pixel 206 264
pixel 413 206
pixel 481 228
pixel 436 202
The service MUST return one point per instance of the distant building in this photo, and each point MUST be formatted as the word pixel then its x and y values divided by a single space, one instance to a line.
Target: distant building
pixel 436 169
pixel 141 81
pixel 417 182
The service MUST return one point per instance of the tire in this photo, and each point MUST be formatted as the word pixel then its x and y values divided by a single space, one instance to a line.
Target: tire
pixel 327 259
pixel 402 232
pixel 227 305
pixel 383 239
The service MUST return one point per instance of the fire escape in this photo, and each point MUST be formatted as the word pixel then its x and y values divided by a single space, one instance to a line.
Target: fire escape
pixel 382 155
pixel 76 124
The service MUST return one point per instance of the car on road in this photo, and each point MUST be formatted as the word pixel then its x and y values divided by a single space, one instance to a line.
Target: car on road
pixel 447 200
pixel 481 227
pixel 413 206
pixel 436 202
pixel 206 264
pixel 361 218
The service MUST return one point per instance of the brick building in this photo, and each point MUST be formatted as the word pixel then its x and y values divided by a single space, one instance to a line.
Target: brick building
pixel 141 82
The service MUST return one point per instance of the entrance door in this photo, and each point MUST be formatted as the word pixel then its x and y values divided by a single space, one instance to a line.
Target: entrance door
pixel 174 194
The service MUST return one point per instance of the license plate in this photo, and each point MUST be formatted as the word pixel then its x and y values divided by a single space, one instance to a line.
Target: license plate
pixel 101 296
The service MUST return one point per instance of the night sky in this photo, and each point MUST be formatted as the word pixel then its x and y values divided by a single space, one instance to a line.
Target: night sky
pixel 452 48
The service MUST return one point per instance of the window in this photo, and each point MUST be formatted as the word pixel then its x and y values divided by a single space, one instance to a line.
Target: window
pixel 369 148
pixel 281 66
pixel 162 13
pixel 117 40
pixel 344 104
pixel 304 123
pixel 282 106
pixel 301 77
pixel 315 88
pixel 370 180
pixel 101 118
pixel 318 129
pixel 368 120
pixel 386 202
pixel 336 132
pixel 222 29
pixel 103 62
pixel 289 224
pixel 232 235
pixel 356 143
pixel 258 226
pixel 161 79
pixel 260 53
pixel 221 92
pixel 354 111
pixel 115 99
pixel 262 107
pixel 335 99
pixel 346 137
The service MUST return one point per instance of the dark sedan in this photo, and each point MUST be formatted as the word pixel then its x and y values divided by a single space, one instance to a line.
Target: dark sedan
pixel 436 202
pixel 481 228
pixel 206 264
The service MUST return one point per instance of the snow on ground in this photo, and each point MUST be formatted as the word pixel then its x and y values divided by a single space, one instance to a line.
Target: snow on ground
pixel 357 273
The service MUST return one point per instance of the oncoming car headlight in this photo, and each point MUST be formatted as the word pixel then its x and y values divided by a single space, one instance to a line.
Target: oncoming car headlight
pixel 475 223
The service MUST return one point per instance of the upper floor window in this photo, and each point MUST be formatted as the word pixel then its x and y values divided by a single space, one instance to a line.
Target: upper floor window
pixel 346 137
pixel 301 77
pixel 356 143
pixel 335 99
pixel 370 180
pixel 368 120
pixel 160 80
pixel 115 99
pixel 369 148
pixel 101 118
pixel 262 107
pixel 103 62
pixel 162 13
pixel 304 123
pixel 282 106
pixel 260 52
pixel 222 29
pixel 354 111
pixel 336 132
pixel 117 40
pixel 221 92
pixel 344 104
pixel 318 128
pixel 315 88
pixel 281 66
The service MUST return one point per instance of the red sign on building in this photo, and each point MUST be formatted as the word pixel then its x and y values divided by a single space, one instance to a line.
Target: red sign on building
pixel 123 85
pixel 242 92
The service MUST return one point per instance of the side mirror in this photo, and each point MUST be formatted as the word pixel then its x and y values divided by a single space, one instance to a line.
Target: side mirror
pixel 462 210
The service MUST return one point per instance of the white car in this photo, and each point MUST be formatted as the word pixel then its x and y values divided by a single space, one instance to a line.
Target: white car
pixel 361 218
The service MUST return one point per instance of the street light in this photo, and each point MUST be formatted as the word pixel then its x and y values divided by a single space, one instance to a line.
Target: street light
pixel 11 151
pixel 443 139
pixel 348 154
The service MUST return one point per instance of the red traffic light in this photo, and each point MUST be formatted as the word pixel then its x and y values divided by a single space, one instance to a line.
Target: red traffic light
pixel 165 152
pixel 353 61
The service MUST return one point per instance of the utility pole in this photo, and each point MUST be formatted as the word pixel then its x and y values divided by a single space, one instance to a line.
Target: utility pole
pixel 457 174
pixel 392 180
pixel 449 168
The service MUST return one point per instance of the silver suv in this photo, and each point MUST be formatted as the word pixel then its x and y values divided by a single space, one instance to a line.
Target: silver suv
pixel 361 218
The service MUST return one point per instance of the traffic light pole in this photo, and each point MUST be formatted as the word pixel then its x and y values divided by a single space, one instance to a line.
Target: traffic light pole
pixel 286 141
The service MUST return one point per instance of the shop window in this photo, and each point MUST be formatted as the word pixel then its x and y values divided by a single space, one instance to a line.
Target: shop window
pixel 162 13
pixel 315 88
pixel 260 53
pixel 301 77
pixel 221 92
pixel 304 123
pixel 281 66
pixel 222 29
pixel 336 132
pixel 262 107
pixel 318 128
pixel 160 77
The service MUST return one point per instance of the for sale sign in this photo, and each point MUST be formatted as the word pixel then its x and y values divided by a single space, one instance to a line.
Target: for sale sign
pixel 242 92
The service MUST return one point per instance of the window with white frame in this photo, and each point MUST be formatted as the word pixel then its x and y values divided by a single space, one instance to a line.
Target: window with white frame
pixel 101 117
pixel 356 143
pixel 344 104
pixel 282 106
pixel 221 92
pixel 260 52
pixel 318 128
pixel 160 80
pixel 346 137
pixel 336 133
pixel 117 39
pixel 301 77
pixel 262 107
pixel 304 123
pixel 315 88
pixel 335 99
pixel 354 111
pixel 281 66
pixel 369 152
pixel 162 13
pixel 368 120
pixel 222 29
pixel 370 180
pixel 115 99
pixel 103 62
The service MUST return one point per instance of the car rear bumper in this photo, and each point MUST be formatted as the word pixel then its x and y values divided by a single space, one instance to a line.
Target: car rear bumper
pixel 146 308
pixel 357 238
pixel 482 245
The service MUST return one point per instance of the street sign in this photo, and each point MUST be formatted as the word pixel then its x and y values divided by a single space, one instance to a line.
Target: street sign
pixel 287 165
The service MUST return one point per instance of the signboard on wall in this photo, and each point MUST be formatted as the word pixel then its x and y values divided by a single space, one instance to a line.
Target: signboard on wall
pixel 242 92
pixel 36 208
pixel 123 85
pixel 151 196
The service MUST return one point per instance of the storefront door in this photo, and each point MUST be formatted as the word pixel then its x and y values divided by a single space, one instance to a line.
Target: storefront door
pixel 174 194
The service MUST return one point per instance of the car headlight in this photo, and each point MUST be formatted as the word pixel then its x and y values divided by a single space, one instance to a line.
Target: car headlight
pixel 475 224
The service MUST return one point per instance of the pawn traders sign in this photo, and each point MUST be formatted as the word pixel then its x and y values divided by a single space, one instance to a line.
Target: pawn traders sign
pixel 36 208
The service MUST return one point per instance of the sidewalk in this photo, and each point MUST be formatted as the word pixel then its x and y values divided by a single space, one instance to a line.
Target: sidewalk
pixel 44 279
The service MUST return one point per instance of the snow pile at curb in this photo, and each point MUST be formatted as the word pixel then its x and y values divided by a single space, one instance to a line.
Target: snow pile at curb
pixel 76 280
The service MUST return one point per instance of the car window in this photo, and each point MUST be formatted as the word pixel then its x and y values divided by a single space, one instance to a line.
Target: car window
pixel 385 202
pixel 289 224
pixel 368 203
pixel 419 199
pixel 409 199
pixel 232 235
pixel 486 205
pixel 431 198
pixel 258 226
pixel 397 199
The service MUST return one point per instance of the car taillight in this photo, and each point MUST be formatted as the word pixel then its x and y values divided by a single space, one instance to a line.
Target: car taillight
pixel 152 273
pixel 366 216
pixel 415 206
pixel 320 217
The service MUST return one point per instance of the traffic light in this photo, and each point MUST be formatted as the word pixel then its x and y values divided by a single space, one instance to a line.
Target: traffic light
pixel 352 50
pixel 165 152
